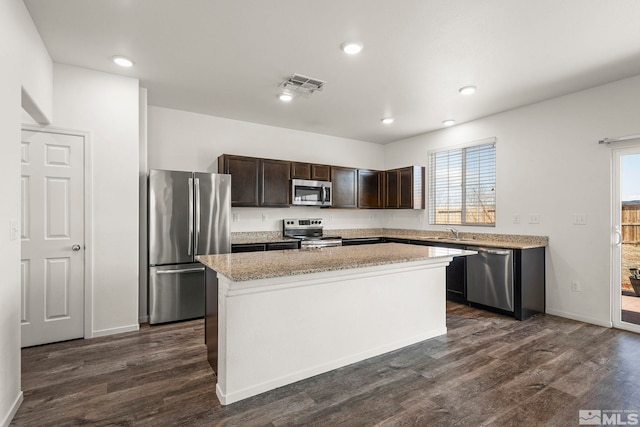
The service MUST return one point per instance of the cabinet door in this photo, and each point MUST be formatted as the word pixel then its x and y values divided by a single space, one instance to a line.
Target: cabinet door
pixel 320 172
pixel 244 178
pixel 344 183
pixel 391 189
pixel 300 170
pixel 406 188
pixel 275 176
pixel 369 189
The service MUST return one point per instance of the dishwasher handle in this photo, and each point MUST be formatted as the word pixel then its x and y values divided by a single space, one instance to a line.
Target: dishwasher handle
pixel 491 251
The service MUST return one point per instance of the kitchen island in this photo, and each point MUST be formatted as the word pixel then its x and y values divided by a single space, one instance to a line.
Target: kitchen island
pixel 282 316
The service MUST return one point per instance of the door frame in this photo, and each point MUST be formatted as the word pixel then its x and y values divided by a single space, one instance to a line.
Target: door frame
pixel 616 251
pixel 88 216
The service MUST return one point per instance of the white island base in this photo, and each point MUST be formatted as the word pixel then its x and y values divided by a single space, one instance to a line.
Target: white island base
pixel 279 330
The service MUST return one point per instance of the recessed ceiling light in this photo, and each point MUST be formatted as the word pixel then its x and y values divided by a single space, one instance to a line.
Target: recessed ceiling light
pixel 387 120
pixel 449 122
pixel 123 61
pixel 285 97
pixel 351 48
pixel 468 90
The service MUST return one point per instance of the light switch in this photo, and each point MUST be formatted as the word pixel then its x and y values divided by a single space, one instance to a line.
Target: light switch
pixel 14 230
pixel 580 219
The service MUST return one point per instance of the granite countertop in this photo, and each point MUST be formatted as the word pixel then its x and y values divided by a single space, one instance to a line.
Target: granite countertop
pixel 475 241
pixel 507 241
pixel 241 267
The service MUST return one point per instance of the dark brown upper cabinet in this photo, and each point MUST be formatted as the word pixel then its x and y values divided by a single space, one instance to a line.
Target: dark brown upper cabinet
pixel 310 171
pixel 300 170
pixel 344 184
pixel 257 182
pixel 320 172
pixel 370 188
pixel 267 182
pixel 404 188
pixel 245 173
pixel 392 189
pixel 275 176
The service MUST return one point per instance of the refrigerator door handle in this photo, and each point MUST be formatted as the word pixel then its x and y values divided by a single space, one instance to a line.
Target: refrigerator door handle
pixel 186 270
pixel 190 209
pixel 197 215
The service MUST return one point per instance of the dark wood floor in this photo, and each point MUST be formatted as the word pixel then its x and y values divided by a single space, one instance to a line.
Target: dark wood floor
pixel 488 370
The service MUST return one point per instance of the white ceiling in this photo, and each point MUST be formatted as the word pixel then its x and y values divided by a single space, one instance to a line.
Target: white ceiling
pixel 227 57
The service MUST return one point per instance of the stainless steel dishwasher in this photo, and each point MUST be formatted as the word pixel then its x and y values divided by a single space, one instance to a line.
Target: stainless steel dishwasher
pixel 490 277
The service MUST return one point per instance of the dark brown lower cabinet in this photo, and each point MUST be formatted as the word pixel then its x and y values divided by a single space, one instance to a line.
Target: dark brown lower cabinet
pixel 211 317
pixel 278 246
pixel 248 247
pixel 258 247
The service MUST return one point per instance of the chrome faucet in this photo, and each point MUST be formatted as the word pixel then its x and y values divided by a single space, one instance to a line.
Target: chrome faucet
pixel 455 232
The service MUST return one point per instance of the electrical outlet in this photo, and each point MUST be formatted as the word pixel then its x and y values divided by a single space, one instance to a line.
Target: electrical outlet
pixel 236 217
pixel 575 286
pixel 265 217
pixel 580 219
pixel 534 218
pixel 516 218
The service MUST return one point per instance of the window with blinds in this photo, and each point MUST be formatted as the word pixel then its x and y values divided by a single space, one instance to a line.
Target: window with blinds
pixel 462 185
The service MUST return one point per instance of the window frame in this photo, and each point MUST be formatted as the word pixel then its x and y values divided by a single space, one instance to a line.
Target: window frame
pixel 432 206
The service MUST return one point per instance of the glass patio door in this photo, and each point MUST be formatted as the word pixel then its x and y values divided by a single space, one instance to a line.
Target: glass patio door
pixel 626 239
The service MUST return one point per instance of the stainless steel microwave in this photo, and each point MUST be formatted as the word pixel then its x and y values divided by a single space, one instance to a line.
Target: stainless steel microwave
pixel 310 193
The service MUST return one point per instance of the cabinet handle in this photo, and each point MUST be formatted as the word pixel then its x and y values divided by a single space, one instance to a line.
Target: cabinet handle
pixel 492 251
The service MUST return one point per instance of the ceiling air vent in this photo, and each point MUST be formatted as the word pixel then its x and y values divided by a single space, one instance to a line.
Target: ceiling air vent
pixel 302 85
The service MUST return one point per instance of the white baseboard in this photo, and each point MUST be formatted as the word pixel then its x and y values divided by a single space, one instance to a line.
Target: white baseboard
pixel 12 412
pixel 580 318
pixel 113 331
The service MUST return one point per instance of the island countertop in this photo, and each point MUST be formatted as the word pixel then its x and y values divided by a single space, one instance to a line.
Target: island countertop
pixel 241 267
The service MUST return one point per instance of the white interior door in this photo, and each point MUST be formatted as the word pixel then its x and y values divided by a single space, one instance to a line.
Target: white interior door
pixel 625 253
pixel 52 237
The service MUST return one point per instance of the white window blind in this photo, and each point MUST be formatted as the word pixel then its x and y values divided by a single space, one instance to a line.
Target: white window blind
pixel 462 185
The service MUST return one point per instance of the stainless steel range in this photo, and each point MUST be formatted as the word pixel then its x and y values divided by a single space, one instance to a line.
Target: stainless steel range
pixel 309 231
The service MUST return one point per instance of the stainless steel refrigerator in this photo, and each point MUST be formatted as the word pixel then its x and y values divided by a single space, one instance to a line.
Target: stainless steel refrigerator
pixel 188 216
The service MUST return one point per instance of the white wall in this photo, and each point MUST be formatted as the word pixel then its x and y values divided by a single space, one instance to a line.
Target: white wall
pixel 25 65
pixel 187 141
pixel 549 163
pixel 106 105
pixel 35 63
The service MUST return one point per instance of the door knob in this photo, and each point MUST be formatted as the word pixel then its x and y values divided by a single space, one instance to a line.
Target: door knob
pixel 75 248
